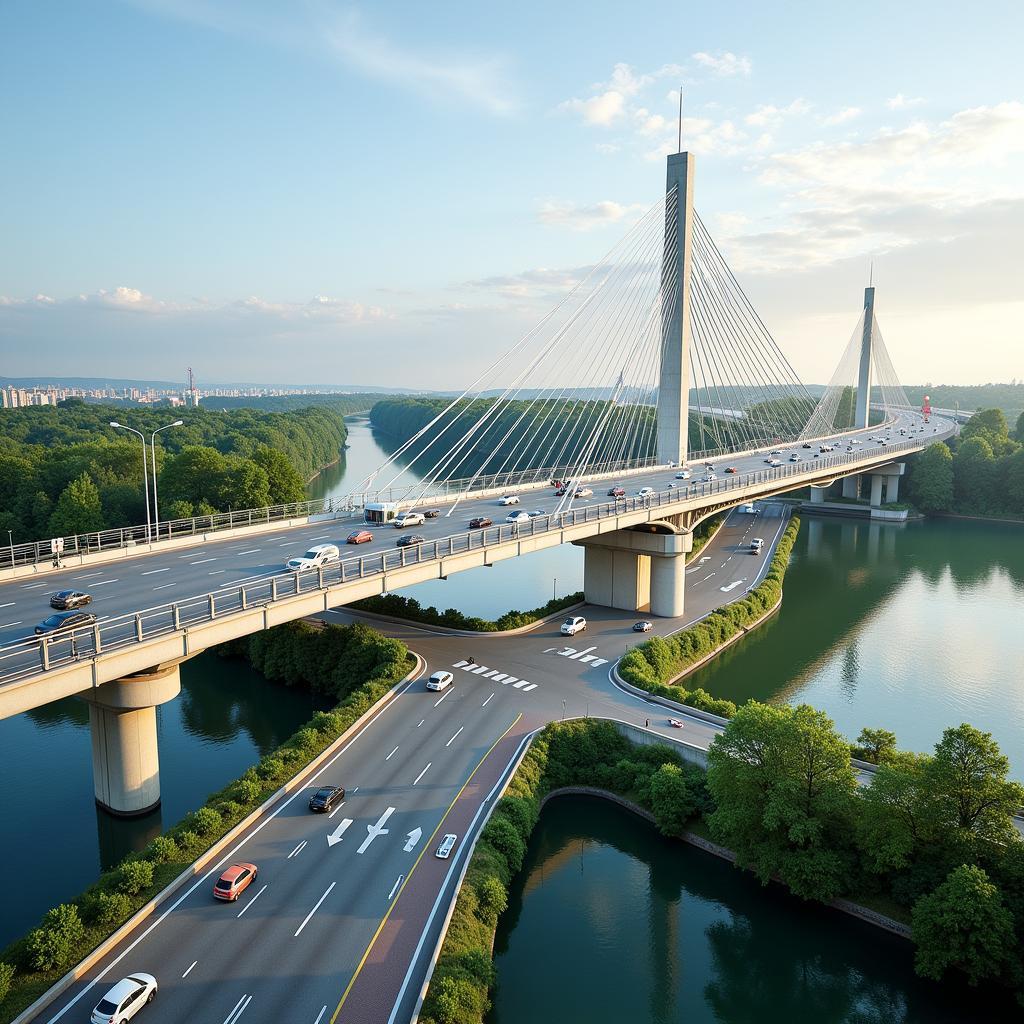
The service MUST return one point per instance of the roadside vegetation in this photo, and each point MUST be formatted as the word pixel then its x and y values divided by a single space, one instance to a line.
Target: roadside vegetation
pixel 931 842
pixel 65 470
pixel 409 608
pixel 354 665
pixel 979 473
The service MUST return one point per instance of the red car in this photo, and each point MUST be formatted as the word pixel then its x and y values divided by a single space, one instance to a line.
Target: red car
pixel 235 880
pixel 616 492
pixel 479 523
pixel 360 537
pixel 730 469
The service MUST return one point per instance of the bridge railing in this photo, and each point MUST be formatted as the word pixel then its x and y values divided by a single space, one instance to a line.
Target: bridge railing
pixel 30 656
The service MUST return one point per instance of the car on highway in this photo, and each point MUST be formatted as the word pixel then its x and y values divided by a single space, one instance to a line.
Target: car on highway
pixel 582 492
pixel 774 462
pixel 573 625
pixel 65 600
pixel 560 490
pixel 61 622
pixel 125 999
pixel 731 469
pixel 643 626
pixel 509 499
pixel 749 509
pixel 709 476
pixel 409 539
pixel 407 519
pixel 440 681
pixel 795 458
pixel 517 517
pixel 431 513
pixel 779 453
pixel 234 881
pixel 537 512
pixel 683 474
pixel 616 492
pixel 756 544
pixel 314 558
pixel 645 492
pixel 326 797
pixel 479 523
pixel 359 537
pixel 444 851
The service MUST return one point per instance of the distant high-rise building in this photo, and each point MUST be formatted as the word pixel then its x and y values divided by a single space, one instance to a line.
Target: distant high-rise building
pixel 191 395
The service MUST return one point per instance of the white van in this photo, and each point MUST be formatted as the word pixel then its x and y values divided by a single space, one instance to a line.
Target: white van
pixel 320 554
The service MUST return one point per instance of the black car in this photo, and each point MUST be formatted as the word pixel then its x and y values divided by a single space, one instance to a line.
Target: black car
pixel 807 446
pixel 65 600
pixel 407 540
pixel 326 797
pixel 431 513
pixel 62 621
pixel 480 523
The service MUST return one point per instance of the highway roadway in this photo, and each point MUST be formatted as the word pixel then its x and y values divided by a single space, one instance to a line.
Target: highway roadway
pixel 346 910
pixel 149 582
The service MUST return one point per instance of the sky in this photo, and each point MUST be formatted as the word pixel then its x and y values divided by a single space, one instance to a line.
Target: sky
pixel 327 192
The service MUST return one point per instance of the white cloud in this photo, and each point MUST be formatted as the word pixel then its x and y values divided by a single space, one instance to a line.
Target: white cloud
pixel 602 109
pixel 901 102
pixel 585 217
pixel 726 63
pixel 770 116
pixel 538 283
pixel 842 116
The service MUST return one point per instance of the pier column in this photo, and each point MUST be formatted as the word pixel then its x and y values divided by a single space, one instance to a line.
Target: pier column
pixel 876 489
pixel 892 488
pixel 125 759
pixel 668 586
pixel 850 486
pixel 818 495
pixel 616 579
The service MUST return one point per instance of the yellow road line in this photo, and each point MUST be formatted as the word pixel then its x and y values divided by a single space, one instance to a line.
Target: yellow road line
pixel 426 846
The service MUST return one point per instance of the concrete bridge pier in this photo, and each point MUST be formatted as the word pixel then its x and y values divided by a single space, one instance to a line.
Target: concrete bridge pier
pixel 125 758
pixel 851 486
pixel 639 569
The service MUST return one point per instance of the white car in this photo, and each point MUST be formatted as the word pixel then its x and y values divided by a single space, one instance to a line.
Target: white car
pixel 444 851
pixel 749 509
pixel 509 499
pixel 407 519
pixel 710 476
pixel 573 625
pixel 683 474
pixel 517 517
pixel 314 558
pixel 440 681
pixel 795 458
pixel 645 492
pixel 582 492
pixel 774 462
pixel 125 999
pixel 756 544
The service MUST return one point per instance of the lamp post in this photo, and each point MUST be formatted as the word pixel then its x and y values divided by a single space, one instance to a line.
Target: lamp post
pixel 152 450
pixel 145 472
pixel 10 540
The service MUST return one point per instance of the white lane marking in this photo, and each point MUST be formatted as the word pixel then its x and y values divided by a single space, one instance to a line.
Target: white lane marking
pixel 149 572
pixel 322 536
pixel 523 683
pixel 481 668
pixel 394 888
pixel 533 686
pixel 250 551
pixel 491 674
pixel 297 850
pixel 335 811
pixel 442 697
pixel 203 561
pixel 731 586
pixel 706 578
pixel 103 583
pixel 194 962
pixel 192 553
pixel 216 572
pixel 338 834
pixel 508 679
pixel 488 701
pixel 422 773
pixel 455 737
pixel 422 720
pixel 10 604
pixel 460 664
pixel 164 586
pixel 391 755
pixel 376 829
pixel 412 839
pixel 88 576
pixel 320 1016
pixel 251 902
pixel 286 544
pixel 723 565
pixel 6 624
pixel 36 586
pixel 315 909
pixel 224 860
pixel 240 1007
pixel 498 678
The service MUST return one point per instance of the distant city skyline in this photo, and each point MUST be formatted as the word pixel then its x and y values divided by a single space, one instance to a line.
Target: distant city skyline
pixel 342 191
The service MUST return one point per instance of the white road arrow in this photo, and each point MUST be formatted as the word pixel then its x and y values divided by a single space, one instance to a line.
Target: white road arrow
pixel 375 830
pixel 732 586
pixel 335 836
pixel 414 837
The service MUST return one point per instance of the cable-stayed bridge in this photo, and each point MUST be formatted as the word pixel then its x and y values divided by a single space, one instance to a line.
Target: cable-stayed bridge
pixel 653 394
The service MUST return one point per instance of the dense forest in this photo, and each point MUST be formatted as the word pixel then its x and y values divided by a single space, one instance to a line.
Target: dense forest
pixel 65 470
pixel 345 404
pixel 971 398
pixel 979 473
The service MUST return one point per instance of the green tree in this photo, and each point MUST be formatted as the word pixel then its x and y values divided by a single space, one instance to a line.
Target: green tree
pixel 243 485
pixel 1019 430
pixel 930 486
pixel 78 509
pixel 6 977
pixel 785 790
pixel 989 424
pixel 875 745
pixel 283 479
pixel 194 475
pixel 963 924
pixel 974 474
pixel 671 800
pixel 55 943
pixel 895 819
pixel 1013 481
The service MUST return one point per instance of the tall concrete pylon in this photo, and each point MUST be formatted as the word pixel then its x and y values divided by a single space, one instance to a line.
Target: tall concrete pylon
pixel 674 382
pixel 863 407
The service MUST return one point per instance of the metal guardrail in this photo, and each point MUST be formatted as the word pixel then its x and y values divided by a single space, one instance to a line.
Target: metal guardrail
pixel 27 657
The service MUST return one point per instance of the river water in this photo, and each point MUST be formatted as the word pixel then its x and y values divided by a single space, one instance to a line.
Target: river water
pixel 611 922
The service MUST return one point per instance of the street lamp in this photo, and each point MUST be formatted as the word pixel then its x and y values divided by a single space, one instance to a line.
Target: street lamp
pixel 10 540
pixel 145 473
pixel 152 449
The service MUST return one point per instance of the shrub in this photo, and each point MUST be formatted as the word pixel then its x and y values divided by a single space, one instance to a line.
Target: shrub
pixel 134 876
pixel 458 1000
pixel 502 834
pixel 203 822
pixel 492 898
pixel 188 841
pixel 111 908
pixel 6 976
pixel 270 768
pixel 54 944
pixel 229 809
pixel 246 791
pixel 162 850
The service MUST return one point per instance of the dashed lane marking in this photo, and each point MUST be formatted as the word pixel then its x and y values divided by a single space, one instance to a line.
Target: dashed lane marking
pixel 488 701
pixel 455 737
pixel 150 572
pixel 10 604
pixel 298 849
pixel 103 583
pixel 251 902
pixel 194 962
pixel 422 773
pixel 313 911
